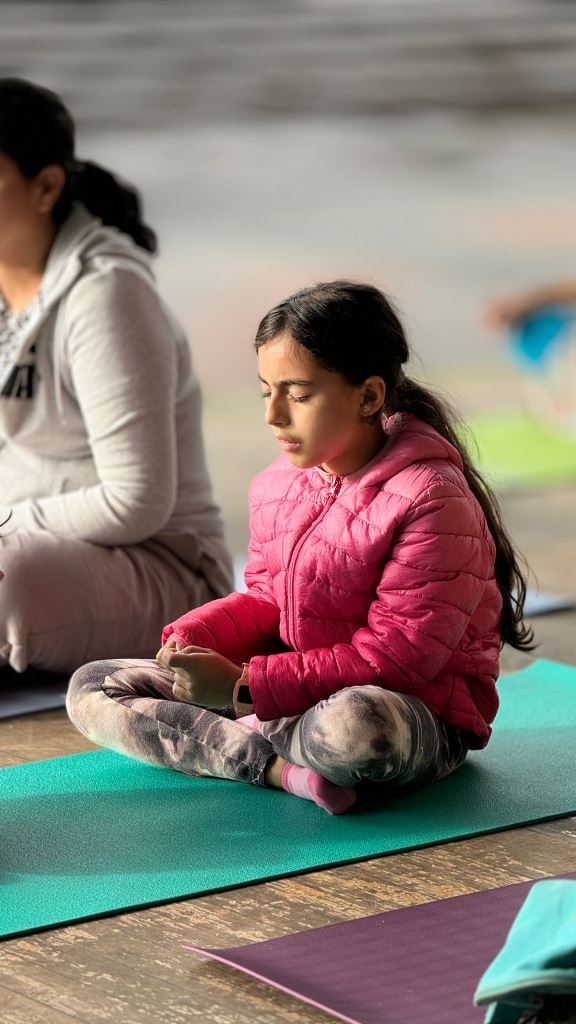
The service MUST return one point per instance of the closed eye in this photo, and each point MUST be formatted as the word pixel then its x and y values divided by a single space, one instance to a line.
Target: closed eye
pixel 293 398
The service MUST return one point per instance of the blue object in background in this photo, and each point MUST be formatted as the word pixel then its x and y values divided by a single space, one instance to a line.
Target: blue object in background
pixel 533 340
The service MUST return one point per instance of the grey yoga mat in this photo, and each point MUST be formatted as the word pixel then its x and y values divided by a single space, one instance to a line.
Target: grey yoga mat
pixel 25 693
pixel 418 965
pixel 543 603
pixel 92 834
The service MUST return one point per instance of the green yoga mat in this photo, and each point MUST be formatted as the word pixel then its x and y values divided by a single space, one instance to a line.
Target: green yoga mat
pixel 96 833
pixel 515 451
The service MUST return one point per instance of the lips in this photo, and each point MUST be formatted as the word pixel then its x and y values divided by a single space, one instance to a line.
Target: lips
pixel 288 443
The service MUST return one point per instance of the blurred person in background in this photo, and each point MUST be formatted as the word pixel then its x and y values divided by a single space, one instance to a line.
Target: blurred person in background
pixel 112 527
pixel 507 310
pixel 541 324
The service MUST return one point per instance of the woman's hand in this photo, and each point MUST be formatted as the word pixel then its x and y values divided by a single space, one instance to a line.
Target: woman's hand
pixel 201 676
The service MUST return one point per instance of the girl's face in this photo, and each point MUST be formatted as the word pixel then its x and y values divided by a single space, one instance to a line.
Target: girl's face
pixel 317 417
pixel 25 205
pixel 16 195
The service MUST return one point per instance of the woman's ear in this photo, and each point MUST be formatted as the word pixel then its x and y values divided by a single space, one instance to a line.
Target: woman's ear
pixel 372 396
pixel 49 183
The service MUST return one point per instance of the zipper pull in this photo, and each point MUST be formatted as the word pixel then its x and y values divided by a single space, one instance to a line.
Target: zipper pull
pixel 334 487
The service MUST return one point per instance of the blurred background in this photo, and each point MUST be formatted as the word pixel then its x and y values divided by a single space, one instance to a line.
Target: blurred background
pixel 424 145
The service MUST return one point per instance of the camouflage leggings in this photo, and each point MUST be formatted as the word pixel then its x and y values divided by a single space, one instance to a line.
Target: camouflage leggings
pixel 361 733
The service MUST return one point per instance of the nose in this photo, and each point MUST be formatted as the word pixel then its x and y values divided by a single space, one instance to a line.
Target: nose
pixel 276 411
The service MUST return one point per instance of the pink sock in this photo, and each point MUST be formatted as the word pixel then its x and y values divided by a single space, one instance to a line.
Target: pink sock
pixel 312 786
pixel 251 721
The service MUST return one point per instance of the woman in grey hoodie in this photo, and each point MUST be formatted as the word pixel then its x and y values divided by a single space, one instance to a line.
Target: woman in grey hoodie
pixel 112 527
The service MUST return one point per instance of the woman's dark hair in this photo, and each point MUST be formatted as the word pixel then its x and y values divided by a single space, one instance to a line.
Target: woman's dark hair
pixel 36 130
pixel 352 329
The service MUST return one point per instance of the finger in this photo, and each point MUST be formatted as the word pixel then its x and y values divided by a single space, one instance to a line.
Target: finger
pixel 162 656
pixel 181 693
pixel 170 645
pixel 184 692
pixel 181 659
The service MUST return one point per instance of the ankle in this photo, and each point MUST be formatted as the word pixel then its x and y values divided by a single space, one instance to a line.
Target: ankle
pixel 306 783
pixel 273 774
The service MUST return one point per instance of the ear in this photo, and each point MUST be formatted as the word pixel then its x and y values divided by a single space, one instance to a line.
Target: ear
pixel 372 396
pixel 49 183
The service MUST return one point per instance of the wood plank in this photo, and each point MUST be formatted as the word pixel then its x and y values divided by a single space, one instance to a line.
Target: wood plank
pixel 21 1009
pixel 38 736
pixel 10 759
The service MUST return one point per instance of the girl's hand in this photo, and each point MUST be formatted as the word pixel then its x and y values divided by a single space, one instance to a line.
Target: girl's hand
pixel 201 676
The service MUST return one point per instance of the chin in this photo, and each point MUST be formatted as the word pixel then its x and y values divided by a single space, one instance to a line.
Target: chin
pixel 300 460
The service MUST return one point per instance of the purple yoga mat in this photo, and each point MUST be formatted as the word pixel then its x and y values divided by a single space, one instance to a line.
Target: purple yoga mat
pixel 418 965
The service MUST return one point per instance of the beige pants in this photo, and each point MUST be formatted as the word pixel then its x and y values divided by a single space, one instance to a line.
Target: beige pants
pixel 66 602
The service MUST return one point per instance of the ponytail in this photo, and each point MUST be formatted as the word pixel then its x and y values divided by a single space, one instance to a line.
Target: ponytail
pixel 411 397
pixel 114 202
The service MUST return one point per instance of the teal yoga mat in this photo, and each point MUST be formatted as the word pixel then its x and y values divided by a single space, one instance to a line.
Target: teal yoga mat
pixel 97 833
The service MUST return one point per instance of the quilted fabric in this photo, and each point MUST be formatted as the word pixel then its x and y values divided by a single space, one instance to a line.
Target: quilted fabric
pixel 385 576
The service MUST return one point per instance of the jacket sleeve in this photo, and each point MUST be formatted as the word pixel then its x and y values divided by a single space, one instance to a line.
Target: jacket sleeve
pixel 432 581
pixel 238 626
pixel 120 363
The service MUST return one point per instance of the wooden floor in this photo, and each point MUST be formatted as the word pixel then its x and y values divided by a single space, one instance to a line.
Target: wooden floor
pixel 131 969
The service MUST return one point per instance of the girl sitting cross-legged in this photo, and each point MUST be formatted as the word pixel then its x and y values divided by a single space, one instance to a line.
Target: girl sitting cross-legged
pixel 379 586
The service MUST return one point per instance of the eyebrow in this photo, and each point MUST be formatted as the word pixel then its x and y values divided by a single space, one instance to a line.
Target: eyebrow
pixel 289 381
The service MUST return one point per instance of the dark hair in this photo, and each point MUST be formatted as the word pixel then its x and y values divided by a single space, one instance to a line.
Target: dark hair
pixel 36 130
pixel 352 329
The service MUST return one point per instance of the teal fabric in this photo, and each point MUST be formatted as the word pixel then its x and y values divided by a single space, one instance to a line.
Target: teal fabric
pixel 96 833
pixel 538 957
pixel 534 340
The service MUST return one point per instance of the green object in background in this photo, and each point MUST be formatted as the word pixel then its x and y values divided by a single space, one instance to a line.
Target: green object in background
pixel 539 955
pixel 92 834
pixel 516 451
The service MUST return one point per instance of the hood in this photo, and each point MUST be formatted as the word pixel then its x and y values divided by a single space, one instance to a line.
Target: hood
pixel 82 242
pixel 410 441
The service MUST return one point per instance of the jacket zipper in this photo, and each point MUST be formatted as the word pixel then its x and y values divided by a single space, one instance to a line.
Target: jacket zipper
pixel 328 501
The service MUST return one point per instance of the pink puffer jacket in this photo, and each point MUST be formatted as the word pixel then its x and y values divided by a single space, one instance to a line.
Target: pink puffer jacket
pixel 385 576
